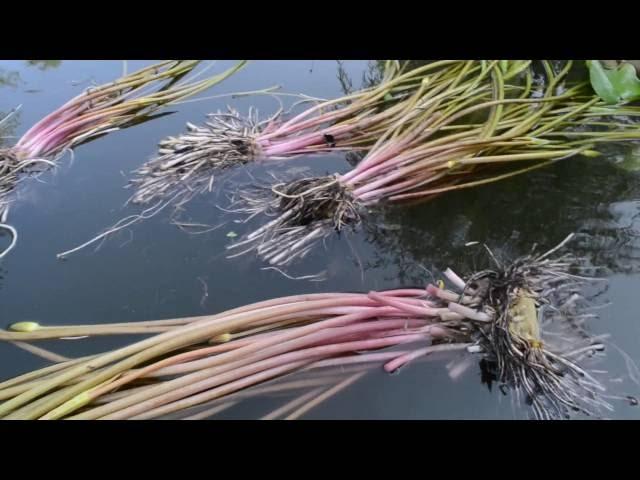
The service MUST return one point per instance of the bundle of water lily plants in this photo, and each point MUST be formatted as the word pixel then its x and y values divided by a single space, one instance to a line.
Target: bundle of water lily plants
pixel 463 127
pixel 527 318
pixel 425 130
pixel 95 112
pixel 187 165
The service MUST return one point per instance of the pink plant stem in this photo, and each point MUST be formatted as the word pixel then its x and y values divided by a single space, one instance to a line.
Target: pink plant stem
pixel 182 362
pixel 404 292
pixel 295 124
pixel 241 353
pixel 279 307
pixel 318 137
pixel 304 141
pixel 367 174
pixel 408 326
pixel 381 156
pixel 290 127
pixel 378 158
pixel 358 359
pixel 211 394
pixel 358 299
pixel 210 325
pixel 295 358
pixel 405 306
pixel 358 192
pixel 455 279
pixel 406 358
pixel 373 309
pixel 420 302
pixel 234 318
pixel 446 295
pixel 34 134
pixel 163 367
pixel 403 159
pixel 67 110
pixel 389 315
pixel 408 166
pixel 469 312
pixel 388 193
pixel 311 150
pixel 78 107
pixel 355 359
pixel 434 331
pixel 58 135
pixel 276 345
pixel 283 306
pixel 287 300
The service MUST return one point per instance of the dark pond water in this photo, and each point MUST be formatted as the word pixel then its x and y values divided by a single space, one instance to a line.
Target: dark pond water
pixel 155 271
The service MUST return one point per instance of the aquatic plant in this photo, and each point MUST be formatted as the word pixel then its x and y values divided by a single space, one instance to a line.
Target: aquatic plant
pixel 525 316
pixel 617 84
pixel 189 162
pixel 465 133
pixel 95 112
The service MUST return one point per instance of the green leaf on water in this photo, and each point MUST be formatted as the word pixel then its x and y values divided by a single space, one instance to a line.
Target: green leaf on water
pixel 618 85
pixel 232 234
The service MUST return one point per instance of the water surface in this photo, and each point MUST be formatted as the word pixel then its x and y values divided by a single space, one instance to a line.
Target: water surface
pixel 155 271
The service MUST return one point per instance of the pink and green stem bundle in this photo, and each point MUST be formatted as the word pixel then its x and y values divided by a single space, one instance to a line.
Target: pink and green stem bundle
pixel 189 163
pixel 233 351
pixel 95 112
pixel 194 361
pixel 99 110
pixel 467 127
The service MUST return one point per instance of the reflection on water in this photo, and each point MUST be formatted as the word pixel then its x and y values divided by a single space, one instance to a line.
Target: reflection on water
pixel 44 64
pixel 9 78
pixel 156 271
pixel 591 197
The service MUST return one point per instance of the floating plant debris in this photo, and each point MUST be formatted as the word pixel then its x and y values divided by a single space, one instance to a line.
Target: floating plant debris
pixel 437 147
pixel 95 112
pixel 503 315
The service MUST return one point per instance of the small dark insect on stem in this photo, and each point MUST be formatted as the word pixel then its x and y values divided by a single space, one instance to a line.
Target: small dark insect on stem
pixel 331 141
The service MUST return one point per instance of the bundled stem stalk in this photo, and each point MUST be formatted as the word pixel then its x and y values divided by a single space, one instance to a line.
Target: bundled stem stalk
pixel 95 112
pixel 202 359
pixel 188 163
pixel 472 129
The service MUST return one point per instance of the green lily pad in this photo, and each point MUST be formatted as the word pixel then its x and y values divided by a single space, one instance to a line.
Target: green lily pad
pixel 618 85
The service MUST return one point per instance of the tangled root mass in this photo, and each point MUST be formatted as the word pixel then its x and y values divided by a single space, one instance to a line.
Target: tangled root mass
pixel 540 361
pixel 306 211
pixel 188 163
